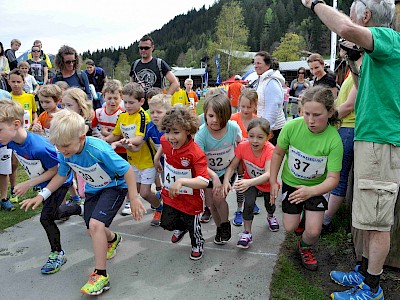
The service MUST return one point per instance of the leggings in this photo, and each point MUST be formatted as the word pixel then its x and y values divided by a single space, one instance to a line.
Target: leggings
pixel 250 199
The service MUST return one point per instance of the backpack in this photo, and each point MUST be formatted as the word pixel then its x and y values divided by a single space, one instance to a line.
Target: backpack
pixel 159 60
pixel 77 72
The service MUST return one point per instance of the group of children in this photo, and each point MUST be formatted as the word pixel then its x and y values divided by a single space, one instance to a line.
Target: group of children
pixel 197 164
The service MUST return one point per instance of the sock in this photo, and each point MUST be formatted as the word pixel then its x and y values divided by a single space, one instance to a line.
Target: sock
pixel 12 190
pixel 160 208
pixel 327 219
pixel 304 245
pixel 373 281
pixel 363 266
pixel 101 272
pixel 114 239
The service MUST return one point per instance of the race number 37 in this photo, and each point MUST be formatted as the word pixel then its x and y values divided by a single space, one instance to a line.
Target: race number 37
pixel 305 166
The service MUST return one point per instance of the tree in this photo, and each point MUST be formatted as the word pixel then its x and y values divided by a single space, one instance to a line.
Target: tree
pixel 108 65
pixel 290 47
pixel 231 35
pixel 122 69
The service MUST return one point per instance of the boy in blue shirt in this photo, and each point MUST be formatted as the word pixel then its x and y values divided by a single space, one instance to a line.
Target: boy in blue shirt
pixel 39 159
pixel 109 178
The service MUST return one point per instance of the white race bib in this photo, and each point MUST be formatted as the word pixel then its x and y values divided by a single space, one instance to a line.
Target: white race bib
pixel 94 175
pixel 33 168
pixel 253 170
pixel 172 174
pixel 5 161
pixel 220 159
pixel 27 119
pixel 128 131
pixel 306 166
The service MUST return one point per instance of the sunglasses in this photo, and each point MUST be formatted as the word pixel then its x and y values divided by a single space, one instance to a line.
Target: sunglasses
pixel 144 48
pixel 67 62
pixel 35 50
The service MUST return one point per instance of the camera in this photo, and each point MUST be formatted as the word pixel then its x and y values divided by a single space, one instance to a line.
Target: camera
pixel 353 52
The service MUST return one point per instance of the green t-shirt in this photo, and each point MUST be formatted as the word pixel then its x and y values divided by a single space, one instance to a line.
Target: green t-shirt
pixel 349 120
pixel 377 104
pixel 309 156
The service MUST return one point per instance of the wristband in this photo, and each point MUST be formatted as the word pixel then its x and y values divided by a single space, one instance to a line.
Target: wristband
pixel 45 193
pixel 315 2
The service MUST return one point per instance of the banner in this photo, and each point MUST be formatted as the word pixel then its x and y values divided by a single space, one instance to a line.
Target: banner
pixel 218 80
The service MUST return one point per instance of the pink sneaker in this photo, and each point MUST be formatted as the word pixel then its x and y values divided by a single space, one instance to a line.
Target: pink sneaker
pixel 273 223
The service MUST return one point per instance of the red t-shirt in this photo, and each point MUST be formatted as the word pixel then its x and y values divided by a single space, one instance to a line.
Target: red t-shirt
pixel 234 91
pixel 254 166
pixel 189 162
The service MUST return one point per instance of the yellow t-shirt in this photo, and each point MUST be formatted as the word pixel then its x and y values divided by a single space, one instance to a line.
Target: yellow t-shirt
pixel 128 126
pixel 28 104
pixel 349 120
pixel 180 98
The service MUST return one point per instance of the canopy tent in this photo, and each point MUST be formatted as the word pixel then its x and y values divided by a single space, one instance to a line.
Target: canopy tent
pixel 250 76
pixel 232 80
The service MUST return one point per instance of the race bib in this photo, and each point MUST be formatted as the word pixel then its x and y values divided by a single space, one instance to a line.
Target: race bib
pixel 172 174
pixel 253 170
pixel 27 119
pixel 128 131
pixel 5 161
pixel 220 159
pixel 94 175
pixel 306 166
pixel 33 168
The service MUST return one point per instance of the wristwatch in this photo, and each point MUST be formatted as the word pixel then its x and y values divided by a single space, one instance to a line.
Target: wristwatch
pixel 315 2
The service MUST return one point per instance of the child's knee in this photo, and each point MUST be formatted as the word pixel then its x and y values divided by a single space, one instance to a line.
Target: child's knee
pixel 95 226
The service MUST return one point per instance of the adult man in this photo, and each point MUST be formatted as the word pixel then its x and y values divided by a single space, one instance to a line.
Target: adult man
pixel 43 56
pixel 234 91
pixel 68 63
pixel 97 76
pixel 377 137
pixel 150 71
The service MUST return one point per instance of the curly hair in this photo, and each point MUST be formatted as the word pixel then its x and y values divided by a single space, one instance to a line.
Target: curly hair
pixel 66 50
pixel 180 117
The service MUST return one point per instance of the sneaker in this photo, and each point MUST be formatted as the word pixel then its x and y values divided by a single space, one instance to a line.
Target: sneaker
pixel 196 253
pixel 256 209
pixel 226 231
pixel 127 209
pixel 245 240
pixel 178 236
pixel 13 198
pixel 218 237
pixel 307 258
pixel 327 229
pixel 351 279
pixel 238 219
pixel 76 200
pixel 302 225
pixel 156 219
pixel 363 291
pixel 112 247
pixel 82 206
pixel 206 217
pixel 7 205
pixel 54 263
pixel 273 223
pixel 96 284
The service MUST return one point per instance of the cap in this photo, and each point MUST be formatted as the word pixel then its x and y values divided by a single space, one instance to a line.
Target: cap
pixel 238 77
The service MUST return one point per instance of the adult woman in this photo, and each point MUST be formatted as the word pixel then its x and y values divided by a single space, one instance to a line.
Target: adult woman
pixel 317 64
pixel 38 67
pixel 4 68
pixel 270 93
pixel 297 86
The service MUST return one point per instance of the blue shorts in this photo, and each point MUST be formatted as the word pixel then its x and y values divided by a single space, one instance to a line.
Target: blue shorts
pixel 104 205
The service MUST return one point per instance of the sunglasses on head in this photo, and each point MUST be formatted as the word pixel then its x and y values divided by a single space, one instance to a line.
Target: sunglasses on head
pixel 67 62
pixel 144 47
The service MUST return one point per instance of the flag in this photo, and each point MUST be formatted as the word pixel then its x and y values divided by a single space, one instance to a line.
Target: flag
pixel 218 80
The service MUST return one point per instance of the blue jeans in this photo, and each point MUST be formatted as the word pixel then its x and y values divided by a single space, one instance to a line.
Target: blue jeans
pixel 347 135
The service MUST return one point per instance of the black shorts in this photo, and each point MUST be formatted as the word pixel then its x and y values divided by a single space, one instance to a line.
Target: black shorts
pixel 104 205
pixel 173 219
pixel 221 178
pixel 317 203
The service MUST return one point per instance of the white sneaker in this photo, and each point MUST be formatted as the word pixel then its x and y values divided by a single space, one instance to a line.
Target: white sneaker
pixel 127 209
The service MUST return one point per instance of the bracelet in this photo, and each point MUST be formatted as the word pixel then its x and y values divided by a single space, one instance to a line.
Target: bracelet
pixel 315 2
pixel 45 193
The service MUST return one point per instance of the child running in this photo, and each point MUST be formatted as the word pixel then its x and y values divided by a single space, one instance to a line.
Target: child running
pixel 185 175
pixel 255 155
pixel 248 100
pixel 218 138
pixel 314 151
pixel 109 178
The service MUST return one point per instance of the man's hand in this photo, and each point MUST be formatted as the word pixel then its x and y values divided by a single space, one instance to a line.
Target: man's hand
pixel 307 3
pixel 34 202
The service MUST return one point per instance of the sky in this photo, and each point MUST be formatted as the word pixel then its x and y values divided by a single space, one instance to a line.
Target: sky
pixel 86 24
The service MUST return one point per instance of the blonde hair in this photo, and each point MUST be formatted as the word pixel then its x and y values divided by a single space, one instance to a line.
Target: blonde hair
pixel 187 80
pixel 10 111
pixel 23 64
pixel 250 94
pixel 15 41
pixel 112 86
pixel 62 85
pixel 162 100
pixel 65 126
pixel 51 90
pixel 82 100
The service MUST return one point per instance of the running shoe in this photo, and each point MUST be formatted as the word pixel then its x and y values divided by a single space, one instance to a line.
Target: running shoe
pixel 127 209
pixel 54 263
pixel 112 247
pixel 14 198
pixel 196 253
pixel 156 219
pixel 178 236
pixel 351 279
pixel 256 209
pixel 7 205
pixel 363 291
pixel 273 224
pixel 96 285
pixel 218 237
pixel 245 240
pixel 206 217
pixel 307 257
pixel 238 219
pixel 226 233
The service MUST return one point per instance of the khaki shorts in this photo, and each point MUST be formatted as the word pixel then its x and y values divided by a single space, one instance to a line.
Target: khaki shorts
pixel 376 184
